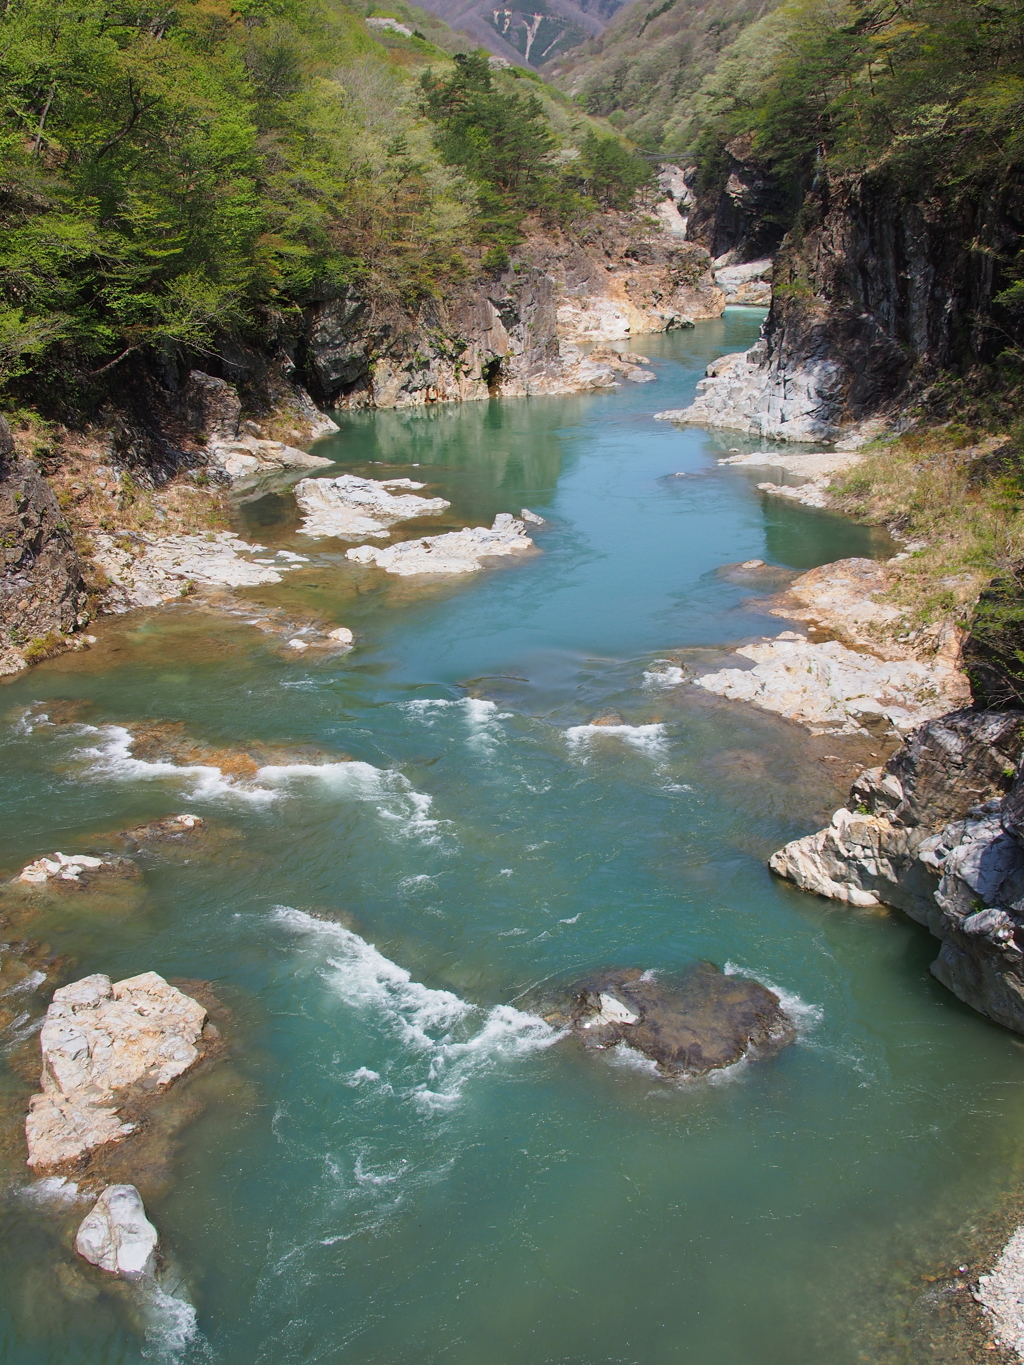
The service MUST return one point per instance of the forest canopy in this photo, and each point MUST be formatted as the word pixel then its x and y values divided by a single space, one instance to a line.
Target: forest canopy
pixel 177 171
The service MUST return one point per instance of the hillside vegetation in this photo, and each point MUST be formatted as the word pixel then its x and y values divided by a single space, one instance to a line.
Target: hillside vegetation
pixel 644 72
pixel 176 174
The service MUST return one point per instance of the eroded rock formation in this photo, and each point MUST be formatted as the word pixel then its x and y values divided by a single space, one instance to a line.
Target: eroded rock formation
pixel 116 1235
pixel 875 294
pixel 43 600
pixel 349 507
pixel 939 833
pixel 457 552
pixel 873 672
pixel 517 332
pixel 99 1041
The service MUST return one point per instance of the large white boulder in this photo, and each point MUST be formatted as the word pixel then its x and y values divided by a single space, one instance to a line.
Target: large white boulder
pixel 97 1040
pixel 116 1235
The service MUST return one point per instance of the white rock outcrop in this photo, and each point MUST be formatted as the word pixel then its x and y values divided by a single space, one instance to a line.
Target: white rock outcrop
pixel 349 507
pixel 671 218
pixel 749 284
pixel 740 392
pixel 815 468
pixel 145 570
pixel 247 457
pixel 1002 1294
pixel 98 1039
pixel 116 1235
pixel 832 689
pixel 455 553
pixel 59 866
pixel 846 861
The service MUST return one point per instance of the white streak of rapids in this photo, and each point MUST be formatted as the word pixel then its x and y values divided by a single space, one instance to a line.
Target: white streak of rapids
pixel 445 1037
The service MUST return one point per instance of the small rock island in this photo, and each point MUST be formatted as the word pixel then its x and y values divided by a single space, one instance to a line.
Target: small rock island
pixel 700 1021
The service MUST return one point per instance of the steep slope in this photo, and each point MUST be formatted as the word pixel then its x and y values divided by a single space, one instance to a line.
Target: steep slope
pixel 895 149
pixel 532 36
pixel 645 70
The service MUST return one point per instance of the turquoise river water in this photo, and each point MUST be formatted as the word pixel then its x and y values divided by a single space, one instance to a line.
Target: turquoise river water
pixel 397 1164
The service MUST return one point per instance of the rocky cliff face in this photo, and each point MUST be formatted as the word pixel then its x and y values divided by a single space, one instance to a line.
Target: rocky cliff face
pixel 876 291
pixel 939 834
pixel 515 333
pixel 42 592
pixel 742 214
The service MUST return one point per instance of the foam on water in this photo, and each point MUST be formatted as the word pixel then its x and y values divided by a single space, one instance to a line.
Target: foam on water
pixel 649 739
pixel 111 759
pixel 447 1040
pixel 172 1329
pixel 53 1191
pixel 668 675
pixel 804 1017
pixel 26 985
pixel 397 801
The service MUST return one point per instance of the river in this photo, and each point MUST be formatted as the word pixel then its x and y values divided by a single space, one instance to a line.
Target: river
pixel 397 1165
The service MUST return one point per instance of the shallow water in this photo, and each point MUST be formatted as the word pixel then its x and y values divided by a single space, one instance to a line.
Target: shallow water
pixel 399 1163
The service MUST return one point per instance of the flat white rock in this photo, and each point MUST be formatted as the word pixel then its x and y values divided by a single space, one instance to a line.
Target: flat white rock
pixel 832 689
pixel 116 1235
pixel 68 869
pixel 244 457
pixel 455 553
pixel 349 507
pixel 147 570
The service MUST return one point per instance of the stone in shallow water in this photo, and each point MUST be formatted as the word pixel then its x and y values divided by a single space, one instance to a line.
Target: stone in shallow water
pixel 116 1235
pixel 701 1021
pixel 99 1039
pixel 456 552
pixel 349 507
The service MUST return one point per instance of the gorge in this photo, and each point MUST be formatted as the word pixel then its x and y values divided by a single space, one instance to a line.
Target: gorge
pixel 489 874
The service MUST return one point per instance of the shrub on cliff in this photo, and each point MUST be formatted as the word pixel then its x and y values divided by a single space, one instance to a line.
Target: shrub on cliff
pixel 993 651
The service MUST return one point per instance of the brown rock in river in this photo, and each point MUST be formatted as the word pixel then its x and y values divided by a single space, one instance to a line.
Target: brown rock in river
pixel 699 1022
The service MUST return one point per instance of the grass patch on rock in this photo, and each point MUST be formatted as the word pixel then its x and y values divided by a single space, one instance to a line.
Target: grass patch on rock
pixel 957 498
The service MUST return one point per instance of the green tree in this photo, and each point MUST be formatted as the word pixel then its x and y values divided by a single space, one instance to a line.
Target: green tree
pixel 610 174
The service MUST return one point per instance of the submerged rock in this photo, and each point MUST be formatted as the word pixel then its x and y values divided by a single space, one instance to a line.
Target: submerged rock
pixel 171 827
pixel 116 1235
pixel 98 1040
pixel 350 508
pixel 455 553
pixel 690 1025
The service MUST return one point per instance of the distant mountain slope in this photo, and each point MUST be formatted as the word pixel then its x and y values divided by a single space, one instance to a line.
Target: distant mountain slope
pixel 641 71
pixel 527 36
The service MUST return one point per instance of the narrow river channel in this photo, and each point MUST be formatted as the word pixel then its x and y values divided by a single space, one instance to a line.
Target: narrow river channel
pixel 398 1164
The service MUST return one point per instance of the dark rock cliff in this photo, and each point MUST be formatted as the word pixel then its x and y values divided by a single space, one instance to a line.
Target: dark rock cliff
pixel 741 212
pixel 878 291
pixel 42 591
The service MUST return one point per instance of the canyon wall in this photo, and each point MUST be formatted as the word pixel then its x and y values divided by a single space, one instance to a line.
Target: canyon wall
pixel 516 331
pixel 879 290
pixel 42 592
